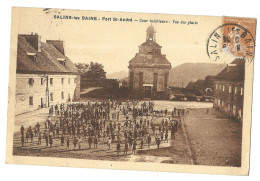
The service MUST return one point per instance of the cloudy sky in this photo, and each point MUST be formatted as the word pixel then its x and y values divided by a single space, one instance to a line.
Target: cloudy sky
pixel 114 43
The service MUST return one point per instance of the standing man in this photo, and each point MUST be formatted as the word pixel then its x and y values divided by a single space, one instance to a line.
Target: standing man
pixel 89 141
pixel 134 147
pixel 68 142
pixel 62 140
pixel 75 142
pixel 126 148
pixel 79 142
pixel 51 140
pixel 118 147
pixel 149 139
pixel 95 142
pixel 22 130
pixel 109 143
pixel 40 138
pixel 22 139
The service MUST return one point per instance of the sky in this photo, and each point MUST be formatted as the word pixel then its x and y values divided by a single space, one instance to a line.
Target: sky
pixel 114 44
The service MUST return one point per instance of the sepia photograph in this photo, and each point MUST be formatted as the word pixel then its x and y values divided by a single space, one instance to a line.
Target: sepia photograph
pixel 123 90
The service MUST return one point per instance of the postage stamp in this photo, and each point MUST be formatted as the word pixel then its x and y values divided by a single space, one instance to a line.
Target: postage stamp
pixel 130 91
pixel 233 38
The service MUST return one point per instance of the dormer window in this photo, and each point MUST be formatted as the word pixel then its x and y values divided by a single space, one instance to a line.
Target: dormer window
pixel 62 61
pixel 32 56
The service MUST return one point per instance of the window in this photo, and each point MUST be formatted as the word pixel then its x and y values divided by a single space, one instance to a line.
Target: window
pixel 62 95
pixel 42 81
pixel 219 87
pixel 62 80
pixel 75 80
pixel 51 96
pixel 32 57
pixel 31 101
pixel 223 88
pixel 242 91
pixel 68 80
pixel 62 61
pixel 230 89
pixel 51 81
pixel 235 90
pixel 68 96
pixel 31 81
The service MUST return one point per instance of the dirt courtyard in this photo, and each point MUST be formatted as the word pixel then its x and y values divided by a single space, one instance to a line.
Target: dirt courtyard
pixel 203 139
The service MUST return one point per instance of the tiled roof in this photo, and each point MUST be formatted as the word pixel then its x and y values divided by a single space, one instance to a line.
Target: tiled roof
pixel 233 72
pixel 156 59
pixel 151 43
pixel 47 59
pixel 150 54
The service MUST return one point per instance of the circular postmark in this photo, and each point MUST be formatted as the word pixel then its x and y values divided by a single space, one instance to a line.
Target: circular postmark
pixel 231 40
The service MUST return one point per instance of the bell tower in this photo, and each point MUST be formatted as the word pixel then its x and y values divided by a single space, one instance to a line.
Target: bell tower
pixel 150 33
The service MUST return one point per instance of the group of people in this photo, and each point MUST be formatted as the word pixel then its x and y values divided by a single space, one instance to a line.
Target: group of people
pixel 125 124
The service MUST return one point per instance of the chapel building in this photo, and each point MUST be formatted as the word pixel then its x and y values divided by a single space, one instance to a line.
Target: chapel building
pixel 149 70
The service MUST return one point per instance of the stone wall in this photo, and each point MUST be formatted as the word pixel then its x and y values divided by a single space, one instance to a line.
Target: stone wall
pixel 39 92
pixel 148 75
pixel 230 98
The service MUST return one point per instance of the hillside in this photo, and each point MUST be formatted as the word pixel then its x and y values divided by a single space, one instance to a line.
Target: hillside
pixel 182 74
pixel 118 75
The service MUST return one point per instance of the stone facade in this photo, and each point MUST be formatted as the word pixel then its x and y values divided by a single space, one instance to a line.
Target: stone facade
pixel 149 70
pixel 44 75
pixel 42 93
pixel 229 90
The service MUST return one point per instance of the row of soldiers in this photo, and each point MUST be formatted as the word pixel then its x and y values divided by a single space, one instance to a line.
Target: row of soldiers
pixel 79 121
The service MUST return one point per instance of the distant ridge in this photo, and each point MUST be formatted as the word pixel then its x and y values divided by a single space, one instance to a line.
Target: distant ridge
pixel 118 75
pixel 182 74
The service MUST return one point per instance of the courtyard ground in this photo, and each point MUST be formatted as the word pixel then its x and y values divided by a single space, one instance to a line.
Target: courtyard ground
pixel 203 139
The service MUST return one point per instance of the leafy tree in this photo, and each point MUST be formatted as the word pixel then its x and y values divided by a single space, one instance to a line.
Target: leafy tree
pixel 82 67
pixel 93 70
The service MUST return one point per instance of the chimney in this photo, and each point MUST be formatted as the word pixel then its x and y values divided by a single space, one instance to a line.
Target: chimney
pixel 58 44
pixel 34 40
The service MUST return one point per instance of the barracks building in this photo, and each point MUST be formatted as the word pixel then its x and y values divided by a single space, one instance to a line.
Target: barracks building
pixel 44 75
pixel 229 89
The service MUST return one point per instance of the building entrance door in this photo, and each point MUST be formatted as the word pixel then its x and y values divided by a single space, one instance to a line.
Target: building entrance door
pixel 148 91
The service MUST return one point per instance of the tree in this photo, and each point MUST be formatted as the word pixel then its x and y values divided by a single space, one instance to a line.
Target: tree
pixel 92 70
pixel 82 67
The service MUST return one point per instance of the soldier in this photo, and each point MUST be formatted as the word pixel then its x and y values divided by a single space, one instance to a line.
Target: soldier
pixel 68 142
pixel 51 140
pixel 89 141
pixel 40 138
pixel 47 140
pixel 134 147
pixel 22 130
pixel 75 142
pixel 161 135
pixel 149 139
pixel 31 136
pixel 158 141
pixel 22 139
pixel 62 140
pixel 79 142
pixel 142 143
pixel 95 142
pixel 166 137
pixel 118 147
pixel 109 143
pixel 126 148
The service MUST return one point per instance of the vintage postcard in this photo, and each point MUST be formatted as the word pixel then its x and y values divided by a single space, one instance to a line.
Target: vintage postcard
pixel 136 91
